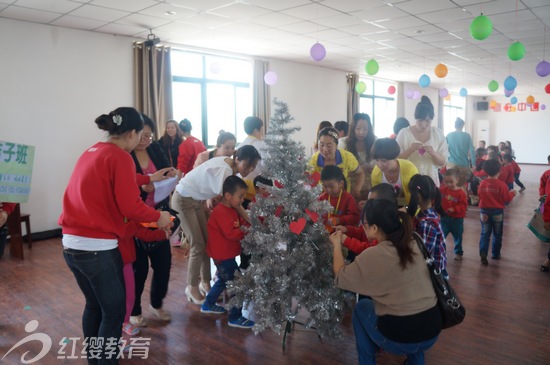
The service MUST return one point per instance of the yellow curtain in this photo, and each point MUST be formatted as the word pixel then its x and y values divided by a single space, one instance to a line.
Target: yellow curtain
pixel 353 96
pixel 153 83
pixel 261 93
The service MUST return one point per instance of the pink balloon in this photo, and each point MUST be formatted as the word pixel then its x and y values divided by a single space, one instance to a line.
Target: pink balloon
pixel 391 90
pixel 270 78
pixel 318 52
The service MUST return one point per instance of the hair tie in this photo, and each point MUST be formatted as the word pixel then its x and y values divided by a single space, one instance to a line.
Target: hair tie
pixel 418 187
pixel 117 119
pixel 333 134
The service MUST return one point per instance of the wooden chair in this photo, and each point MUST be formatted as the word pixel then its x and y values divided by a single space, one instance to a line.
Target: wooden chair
pixel 26 218
pixel 14 230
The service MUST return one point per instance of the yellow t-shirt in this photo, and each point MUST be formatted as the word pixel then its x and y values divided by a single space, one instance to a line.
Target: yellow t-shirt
pixel 345 160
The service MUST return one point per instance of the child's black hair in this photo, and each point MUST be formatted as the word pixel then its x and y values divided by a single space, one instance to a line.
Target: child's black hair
pixel 507 157
pixel 333 172
pixel 480 152
pixel 423 188
pixel 491 167
pixel 262 180
pixel 232 184
pixel 385 191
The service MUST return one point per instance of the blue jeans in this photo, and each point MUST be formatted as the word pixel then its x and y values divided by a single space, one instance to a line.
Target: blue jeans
pixel 454 226
pixel 492 221
pixel 368 338
pixel 100 278
pixel 226 272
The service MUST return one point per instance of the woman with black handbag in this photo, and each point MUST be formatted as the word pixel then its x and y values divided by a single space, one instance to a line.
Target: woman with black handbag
pixel 401 316
pixel 149 158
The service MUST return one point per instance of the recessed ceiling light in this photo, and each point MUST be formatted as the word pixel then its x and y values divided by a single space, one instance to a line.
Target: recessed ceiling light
pixel 170 13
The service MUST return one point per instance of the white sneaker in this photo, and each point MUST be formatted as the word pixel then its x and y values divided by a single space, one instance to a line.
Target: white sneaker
pixel 139 321
pixel 160 313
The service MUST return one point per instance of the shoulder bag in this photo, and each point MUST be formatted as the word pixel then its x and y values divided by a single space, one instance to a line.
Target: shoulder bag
pixel 451 308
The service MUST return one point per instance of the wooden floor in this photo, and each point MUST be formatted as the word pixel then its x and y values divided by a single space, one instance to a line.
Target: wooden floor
pixel 507 303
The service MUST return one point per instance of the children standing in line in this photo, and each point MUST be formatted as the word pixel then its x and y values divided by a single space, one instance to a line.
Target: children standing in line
pixel 224 244
pixel 493 197
pixel 426 200
pixel 345 210
pixel 454 203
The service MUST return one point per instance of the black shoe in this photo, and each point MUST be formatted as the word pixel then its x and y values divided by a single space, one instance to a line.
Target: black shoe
pixel 496 257
pixel 484 260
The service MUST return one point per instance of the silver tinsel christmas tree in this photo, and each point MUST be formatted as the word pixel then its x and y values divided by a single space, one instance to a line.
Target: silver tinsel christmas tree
pixel 291 264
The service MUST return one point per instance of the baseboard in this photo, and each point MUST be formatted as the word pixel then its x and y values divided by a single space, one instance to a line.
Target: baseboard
pixel 45 235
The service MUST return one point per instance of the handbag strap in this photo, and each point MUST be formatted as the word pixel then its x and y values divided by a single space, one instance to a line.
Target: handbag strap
pixel 420 242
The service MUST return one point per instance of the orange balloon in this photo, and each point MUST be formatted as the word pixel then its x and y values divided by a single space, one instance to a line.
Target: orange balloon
pixel 513 109
pixel 441 70
pixel 448 97
pixel 493 103
pixel 530 99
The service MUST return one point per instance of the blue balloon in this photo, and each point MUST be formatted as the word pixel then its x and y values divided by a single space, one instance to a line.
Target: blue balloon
pixel 510 83
pixel 424 81
pixel 463 92
pixel 513 100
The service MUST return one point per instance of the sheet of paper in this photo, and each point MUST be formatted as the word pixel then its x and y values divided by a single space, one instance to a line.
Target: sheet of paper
pixel 164 188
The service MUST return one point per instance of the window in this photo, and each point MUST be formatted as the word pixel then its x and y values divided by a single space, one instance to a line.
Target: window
pixel 453 107
pixel 380 106
pixel 214 93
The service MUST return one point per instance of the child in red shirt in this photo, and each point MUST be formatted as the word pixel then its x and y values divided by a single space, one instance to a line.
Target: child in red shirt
pixel 493 197
pixel 345 207
pixel 224 244
pixel 5 210
pixel 454 203
pixel 507 171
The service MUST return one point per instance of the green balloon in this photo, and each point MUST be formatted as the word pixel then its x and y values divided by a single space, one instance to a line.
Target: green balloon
pixel 493 86
pixel 360 87
pixel 372 67
pixel 516 51
pixel 481 27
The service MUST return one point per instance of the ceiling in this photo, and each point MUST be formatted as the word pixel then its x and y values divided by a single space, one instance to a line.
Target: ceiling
pixel 406 37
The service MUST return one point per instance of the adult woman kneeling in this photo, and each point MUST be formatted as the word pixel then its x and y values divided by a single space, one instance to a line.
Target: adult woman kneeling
pixel 401 316
pixel 204 183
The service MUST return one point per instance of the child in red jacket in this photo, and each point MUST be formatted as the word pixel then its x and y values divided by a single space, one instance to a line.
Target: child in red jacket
pixel 5 210
pixel 345 210
pixel 224 244
pixel 507 171
pixel 454 203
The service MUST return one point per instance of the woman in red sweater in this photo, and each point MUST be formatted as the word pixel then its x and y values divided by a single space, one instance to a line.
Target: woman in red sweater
pixel 101 194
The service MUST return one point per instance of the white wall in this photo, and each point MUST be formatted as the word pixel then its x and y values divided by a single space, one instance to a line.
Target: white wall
pixel 313 94
pixel 55 82
pixel 528 131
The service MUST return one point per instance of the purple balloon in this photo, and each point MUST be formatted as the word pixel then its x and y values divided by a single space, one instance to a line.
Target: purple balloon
pixel 318 52
pixel 508 93
pixel 443 92
pixel 543 106
pixel 270 78
pixel 416 95
pixel 543 68
pixel 409 94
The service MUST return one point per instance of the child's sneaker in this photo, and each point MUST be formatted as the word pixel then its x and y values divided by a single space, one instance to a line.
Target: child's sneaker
pixel 458 257
pixel 215 309
pixel 139 321
pixel 241 322
pixel 130 329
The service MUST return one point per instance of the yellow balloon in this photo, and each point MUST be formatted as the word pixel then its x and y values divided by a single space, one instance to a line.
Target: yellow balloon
pixel 493 103
pixel 513 109
pixel 530 99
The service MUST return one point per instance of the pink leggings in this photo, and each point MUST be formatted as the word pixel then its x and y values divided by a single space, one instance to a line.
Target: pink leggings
pixel 130 284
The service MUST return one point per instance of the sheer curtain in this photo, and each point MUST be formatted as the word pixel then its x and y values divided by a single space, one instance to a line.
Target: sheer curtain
pixel 353 96
pixel 153 83
pixel 261 93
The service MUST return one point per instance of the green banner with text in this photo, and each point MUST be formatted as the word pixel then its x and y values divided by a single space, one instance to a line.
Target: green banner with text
pixel 16 162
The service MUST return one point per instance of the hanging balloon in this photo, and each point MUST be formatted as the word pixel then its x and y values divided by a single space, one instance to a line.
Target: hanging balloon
pixel 530 99
pixel 443 92
pixel 391 90
pixel 270 78
pixel 547 88
pixel 372 67
pixel 493 103
pixel 463 92
pixel 508 93
pixel 481 27
pixel 493 86
pixel 424 81
pixel 318 52
pixel 510 83
pixel 215 67
pixel 416 95
pixel 543 106
pixel 513 100
pixel 516 51
pixel 409 93
pixel 441 70
pixel 360 87
pixel 448 97
pixel 543 68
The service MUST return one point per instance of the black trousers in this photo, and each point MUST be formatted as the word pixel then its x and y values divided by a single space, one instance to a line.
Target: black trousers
pixel 161 260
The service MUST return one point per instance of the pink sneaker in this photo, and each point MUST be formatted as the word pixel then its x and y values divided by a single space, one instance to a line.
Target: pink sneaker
pixel 130 329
